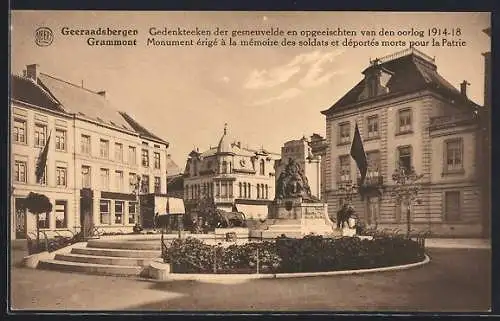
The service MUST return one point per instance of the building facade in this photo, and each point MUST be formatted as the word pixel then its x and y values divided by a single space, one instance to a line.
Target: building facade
pixel 237 178
pixel 96 157
pixel 408 115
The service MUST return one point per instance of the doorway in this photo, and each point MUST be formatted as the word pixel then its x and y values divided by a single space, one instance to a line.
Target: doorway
pixel 20 218
pixel 372 211
pixel 87 216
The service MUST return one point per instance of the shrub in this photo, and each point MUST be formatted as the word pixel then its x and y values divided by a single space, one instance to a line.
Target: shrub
pixel 310 254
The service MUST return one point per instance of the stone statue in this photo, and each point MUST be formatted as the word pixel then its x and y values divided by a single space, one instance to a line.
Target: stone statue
pixel 292 182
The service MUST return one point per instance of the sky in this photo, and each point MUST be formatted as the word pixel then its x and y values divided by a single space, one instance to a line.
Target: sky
pixel 266 95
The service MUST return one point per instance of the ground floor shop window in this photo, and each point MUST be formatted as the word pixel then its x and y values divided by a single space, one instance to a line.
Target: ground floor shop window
pixel 105 212
pixel 61 214
pixel 118 212
pixel 132 210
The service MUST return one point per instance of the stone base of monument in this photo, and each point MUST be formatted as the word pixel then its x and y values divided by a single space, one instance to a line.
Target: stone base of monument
pixel 295 218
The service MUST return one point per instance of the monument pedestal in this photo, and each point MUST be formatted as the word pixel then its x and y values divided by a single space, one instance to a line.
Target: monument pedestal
pixel 295 218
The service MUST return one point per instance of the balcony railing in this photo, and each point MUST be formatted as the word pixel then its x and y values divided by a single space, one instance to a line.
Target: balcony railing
pixel 448 121
pixel 375 180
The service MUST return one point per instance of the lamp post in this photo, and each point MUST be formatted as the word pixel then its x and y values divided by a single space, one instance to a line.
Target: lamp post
pixel 406 189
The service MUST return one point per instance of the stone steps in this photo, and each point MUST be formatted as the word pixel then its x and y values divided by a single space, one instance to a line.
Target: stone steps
pixel 105 260
pixel 106 257
pixel 116 252
pixel 90 268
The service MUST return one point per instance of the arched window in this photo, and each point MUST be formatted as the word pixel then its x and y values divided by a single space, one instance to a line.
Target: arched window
pixel 262 167
pixel 249 191
pixel 245 189
pixel 258 190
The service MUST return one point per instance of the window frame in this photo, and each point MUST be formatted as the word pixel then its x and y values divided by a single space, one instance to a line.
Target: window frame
pixel 17 171
pixel 65 214
pixel 59 170
pixel 83 143
pixel 106 149
pixel 119 147
pixel 157 160
pixel 400 131
pixel 458 170
pixel 121 214
pixel 340 171
pixel 145 157
pixel 108 213
pixel 398 155
pixel 89 176
pixel 36 133
pixel 344 140
pixel 25 129
pixel 106 186
pixel 64 140
pixel 377 133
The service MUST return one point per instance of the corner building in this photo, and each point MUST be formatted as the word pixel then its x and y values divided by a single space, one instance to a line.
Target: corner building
pixel 237 178
pixel 95 155
pixel 408 114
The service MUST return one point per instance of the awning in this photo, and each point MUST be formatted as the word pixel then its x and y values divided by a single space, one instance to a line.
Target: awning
pixel 165 205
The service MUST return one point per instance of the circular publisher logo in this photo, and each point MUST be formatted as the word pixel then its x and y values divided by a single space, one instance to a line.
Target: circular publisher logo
pixel 44 36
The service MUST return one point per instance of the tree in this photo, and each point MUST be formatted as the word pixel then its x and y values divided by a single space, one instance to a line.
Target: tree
pixel 406 189
pixel 38 204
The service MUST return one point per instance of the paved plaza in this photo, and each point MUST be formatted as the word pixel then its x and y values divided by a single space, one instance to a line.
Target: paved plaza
pixel 456 279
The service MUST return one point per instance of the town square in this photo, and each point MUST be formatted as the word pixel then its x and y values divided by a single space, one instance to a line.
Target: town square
pixel 249 177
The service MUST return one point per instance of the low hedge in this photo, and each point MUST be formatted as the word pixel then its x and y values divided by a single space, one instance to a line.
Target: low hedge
pixel 285 255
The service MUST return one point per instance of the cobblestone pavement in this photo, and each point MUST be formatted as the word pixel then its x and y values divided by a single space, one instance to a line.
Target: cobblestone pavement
pixel 454 280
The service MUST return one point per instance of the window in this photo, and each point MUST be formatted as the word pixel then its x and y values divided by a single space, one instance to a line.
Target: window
pixel 85 144
pixel 132 181
pixel 145 158
pixel 345 168
pixel 44 220
pixel 20 171
pixel 267 191
pixel 230 189
pixel 454 155
pixel 249 190
pixel 344 133
pixel 372 123
pixel 145 184
pixel 132 209
pixel 241 189
pixel 157 185
pixel 61 219
pixel 452 206
pixel 119 212
pixel 60 140
pixel 104 179
pixel 217 193
pixel 258 190
pixel 40 135
pixel 132 158
pixel 262 167
pixel 118 152
pixel 104 207
pixel 404 121
pixel 86 177
pixel 224 189
pixel 224 167
pixel 104 148
pixel 157 160
pixel 373 158
pixel 61 174
pixel 19 131
pixel 119 180
pixel 404 157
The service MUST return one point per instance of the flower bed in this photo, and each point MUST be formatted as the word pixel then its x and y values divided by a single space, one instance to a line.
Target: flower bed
pixel 286 255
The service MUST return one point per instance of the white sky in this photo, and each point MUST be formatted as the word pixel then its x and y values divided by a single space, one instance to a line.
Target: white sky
pixel 266 95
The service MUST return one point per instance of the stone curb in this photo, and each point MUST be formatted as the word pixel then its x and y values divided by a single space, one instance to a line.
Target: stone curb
pixel 220 277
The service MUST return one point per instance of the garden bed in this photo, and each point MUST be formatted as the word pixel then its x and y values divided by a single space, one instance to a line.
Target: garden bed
pixel 286 255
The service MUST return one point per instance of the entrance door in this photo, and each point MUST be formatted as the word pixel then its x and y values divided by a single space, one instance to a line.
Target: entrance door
pixel 87 216
pixel 373 209
pixel 20 218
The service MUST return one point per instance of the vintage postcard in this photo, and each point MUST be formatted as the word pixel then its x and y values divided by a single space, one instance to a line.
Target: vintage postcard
pixel 250 161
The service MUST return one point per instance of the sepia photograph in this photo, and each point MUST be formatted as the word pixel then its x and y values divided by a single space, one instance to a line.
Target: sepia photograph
pixel 250 162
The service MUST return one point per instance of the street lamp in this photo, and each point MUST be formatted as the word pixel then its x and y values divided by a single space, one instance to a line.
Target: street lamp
pixel 406 189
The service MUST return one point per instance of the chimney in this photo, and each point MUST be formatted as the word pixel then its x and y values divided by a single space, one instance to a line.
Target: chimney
pixel 32 71
pixel 463 88
pixel 102 93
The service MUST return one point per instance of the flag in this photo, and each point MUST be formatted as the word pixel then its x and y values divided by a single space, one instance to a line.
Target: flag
pixel 358 154
pixel 42 161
